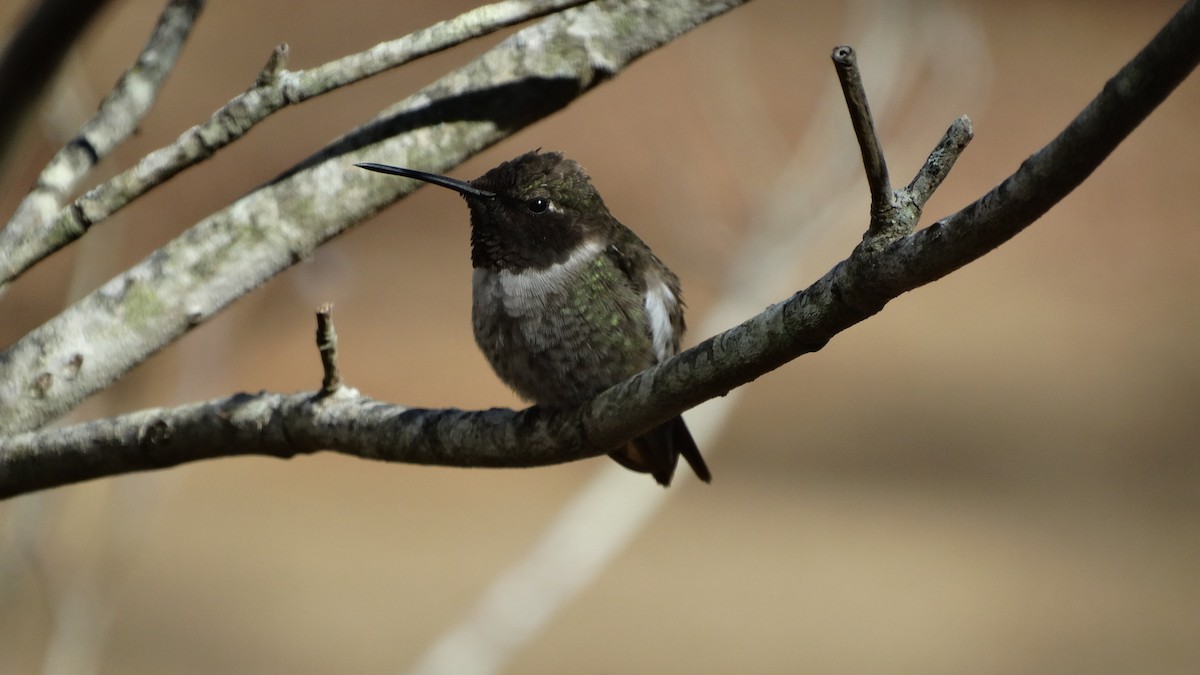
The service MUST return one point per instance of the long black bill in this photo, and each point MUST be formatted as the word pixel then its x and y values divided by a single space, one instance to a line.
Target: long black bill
pixel 459 186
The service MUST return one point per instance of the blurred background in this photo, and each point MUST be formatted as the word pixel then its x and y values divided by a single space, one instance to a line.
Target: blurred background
pixel 999 473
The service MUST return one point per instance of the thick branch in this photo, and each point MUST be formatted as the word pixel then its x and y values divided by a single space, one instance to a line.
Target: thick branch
pixel 528 76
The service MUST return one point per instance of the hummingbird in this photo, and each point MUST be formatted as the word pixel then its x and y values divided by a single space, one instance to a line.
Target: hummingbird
pixel 567 301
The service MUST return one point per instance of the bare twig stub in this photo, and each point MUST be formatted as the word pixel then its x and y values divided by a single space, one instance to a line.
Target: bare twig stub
pixel 327 347
pixel 276 64
pixel 940 161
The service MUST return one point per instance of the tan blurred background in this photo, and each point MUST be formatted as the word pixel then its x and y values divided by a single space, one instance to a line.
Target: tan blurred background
pixel 997 474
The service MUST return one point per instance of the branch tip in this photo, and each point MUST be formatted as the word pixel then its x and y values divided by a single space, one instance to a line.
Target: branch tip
pixel 940 161
pixel 276 63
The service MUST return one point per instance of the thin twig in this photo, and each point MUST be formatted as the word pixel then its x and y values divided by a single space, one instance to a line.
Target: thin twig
pixel 864 128
pixel 327 346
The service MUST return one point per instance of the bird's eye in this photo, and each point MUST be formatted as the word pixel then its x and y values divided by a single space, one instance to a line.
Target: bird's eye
pixel 538 205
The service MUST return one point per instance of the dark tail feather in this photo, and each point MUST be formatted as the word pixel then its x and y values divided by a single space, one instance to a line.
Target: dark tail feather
pixel 658 451
pixel 682 443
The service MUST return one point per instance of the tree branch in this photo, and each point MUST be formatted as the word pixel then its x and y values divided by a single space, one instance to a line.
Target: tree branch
pixel 528 76
pixel 855 289
pixel 29 238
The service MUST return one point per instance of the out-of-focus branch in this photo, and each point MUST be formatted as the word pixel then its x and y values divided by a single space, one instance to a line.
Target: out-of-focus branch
pixel 33 55
pixel 28 236
pixel 528 76
pixel 40 228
